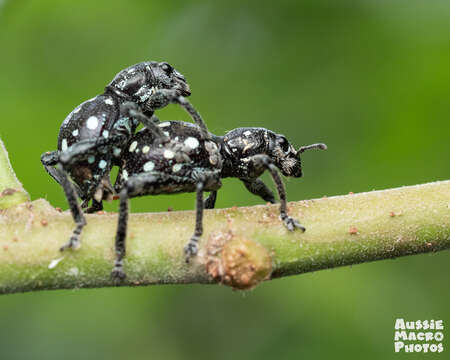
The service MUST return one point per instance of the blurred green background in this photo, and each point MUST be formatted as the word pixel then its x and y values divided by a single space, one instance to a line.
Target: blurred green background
pixel 369 78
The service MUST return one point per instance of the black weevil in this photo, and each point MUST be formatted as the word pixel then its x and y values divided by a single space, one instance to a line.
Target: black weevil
pixel 93 135
pixel 189 162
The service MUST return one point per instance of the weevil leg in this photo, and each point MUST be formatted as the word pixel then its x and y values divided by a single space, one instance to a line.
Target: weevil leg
pixel 49 160
pixel 195 115
pixel 118 273
pixel 133 110
pixel 77 214
pixel 263 161
pixel 257 187
pixel 163 97
pixel 137 185
pixel 151 183
pixel 95 206
pixel 191 248
pixel 210 201
pixel 82 150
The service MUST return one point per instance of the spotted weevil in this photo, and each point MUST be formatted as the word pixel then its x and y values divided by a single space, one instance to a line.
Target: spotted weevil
pixel 93 135
pixel 190 162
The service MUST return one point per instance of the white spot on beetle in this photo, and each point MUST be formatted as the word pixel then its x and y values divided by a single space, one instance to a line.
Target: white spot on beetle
pixel 102 164
pixel 77 109
pixel 108 101
pixel 166 133
pixel 64 145
pixel 177 167
pixel 133 146
pixel 168 154
pixel 247 133
pixel 191 142
pixel 164 124
pixel 145 149
pixel 125 175
pixel 92 123
pixel 131 70
pixel 117 151
pixel 75 132
pixel 91 159
pixel 149 166
pixel 105 134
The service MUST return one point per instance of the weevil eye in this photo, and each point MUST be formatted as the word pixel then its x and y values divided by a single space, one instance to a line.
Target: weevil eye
pixel 166 68
pixel 284 144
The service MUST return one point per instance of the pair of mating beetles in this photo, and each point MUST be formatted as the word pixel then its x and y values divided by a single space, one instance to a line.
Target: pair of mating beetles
pixel 162 158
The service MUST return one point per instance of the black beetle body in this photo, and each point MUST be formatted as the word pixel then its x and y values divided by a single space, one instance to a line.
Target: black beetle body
pixel 188 162
pixel 93 136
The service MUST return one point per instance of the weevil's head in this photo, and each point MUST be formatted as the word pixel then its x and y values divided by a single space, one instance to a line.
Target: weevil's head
pixel 166 77
pixel 287 158
pixel 243 143
pixel 138 82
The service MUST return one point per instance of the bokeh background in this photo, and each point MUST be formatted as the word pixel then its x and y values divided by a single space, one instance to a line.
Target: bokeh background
pixel 369 78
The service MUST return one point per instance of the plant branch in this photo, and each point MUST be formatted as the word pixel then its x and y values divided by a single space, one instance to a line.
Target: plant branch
pixel 240 246
pixel 11 190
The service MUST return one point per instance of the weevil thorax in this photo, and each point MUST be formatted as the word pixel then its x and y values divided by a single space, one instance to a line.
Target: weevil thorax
pixel 139 82
pixel 242 143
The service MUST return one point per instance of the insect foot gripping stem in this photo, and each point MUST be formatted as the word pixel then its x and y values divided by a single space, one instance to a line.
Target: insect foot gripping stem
pixel 291 224
pixel 191 248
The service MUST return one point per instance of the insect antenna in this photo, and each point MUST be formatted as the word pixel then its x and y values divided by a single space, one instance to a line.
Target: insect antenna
pixel 312 146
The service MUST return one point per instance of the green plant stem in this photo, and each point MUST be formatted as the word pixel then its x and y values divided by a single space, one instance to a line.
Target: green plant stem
pixel 341 230
pixel 11 190
pixel 388 224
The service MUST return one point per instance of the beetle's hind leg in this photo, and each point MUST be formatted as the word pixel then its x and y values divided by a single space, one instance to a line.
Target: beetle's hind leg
pixel 77 214
pixel 50 160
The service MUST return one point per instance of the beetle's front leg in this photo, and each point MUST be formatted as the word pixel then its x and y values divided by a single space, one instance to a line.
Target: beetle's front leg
pixel 164 97
pixel 260 162
pixel 133 110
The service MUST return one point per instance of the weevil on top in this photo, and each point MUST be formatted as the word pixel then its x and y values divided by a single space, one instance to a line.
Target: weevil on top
pixel 190 162
pixel 94 135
